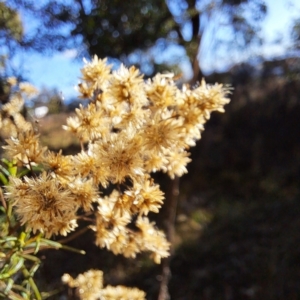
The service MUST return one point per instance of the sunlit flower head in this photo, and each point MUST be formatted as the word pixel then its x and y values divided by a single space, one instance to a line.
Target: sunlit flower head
pixel 25 148
pixel 28 89
pixel 161 91
pixel 84 192
pixel 122 156
pixel 95 74
pixel 146 196
pixel 127 85
pixel 58 163
pixel 110 222
pixel 153 240
pixel 43 205
pixel 162 133
pixel 88 285
pixel 88 165
pixel 121 292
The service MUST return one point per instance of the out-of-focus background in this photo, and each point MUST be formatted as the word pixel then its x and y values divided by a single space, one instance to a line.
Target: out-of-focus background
pixel 238 219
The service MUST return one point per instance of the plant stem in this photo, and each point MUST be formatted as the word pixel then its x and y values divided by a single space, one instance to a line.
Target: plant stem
pixel 169 215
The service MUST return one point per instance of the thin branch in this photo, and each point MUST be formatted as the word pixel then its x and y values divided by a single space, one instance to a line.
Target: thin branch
pixel 170 216
pixel 73 236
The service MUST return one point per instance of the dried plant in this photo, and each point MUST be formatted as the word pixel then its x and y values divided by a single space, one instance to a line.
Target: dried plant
pixel 130 129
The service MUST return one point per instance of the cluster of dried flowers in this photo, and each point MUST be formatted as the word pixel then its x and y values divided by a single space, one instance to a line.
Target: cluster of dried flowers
pixel 12 120
pixel 89 286
pixel 131 128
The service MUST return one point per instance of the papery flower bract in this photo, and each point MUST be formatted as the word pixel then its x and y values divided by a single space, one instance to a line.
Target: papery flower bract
pixel 122 156
pixel 84 192
pixel 155 162
pixel 28 89
pixel 146 196
pixel 161 91
pixel 59 164
pixel 14 106
pixel 109 222
pixel 43 205
pixel 25 147
pixel 89 166
pixel 162 133
pixel 95 75
pixel 153 240
pixel 177 162
pixel 88 285
pixel 90 123
pixel 127 85
pixel 122 293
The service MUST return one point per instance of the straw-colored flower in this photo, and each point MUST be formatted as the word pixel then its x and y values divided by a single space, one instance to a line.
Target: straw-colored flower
pixel 95 76
pixel 162 133
pixel 145 197
pixel 153 240
pixel 122 293
pixel 28 89
pixel 126 85
pixel 122 156
pixel 88 165
pixel 84 192
pixel 161 91
pixel 89 286
pixel 26 148
pixel 59 164
pixel 177 162
pixel 43 205
pixel 110 222
pixel 90 123
pixel 15 105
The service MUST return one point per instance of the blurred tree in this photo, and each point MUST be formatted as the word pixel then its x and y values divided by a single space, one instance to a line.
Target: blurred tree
pixel 296 34
pixel 50 98
pixel 11 27
pixel 11 33
pixel 139 31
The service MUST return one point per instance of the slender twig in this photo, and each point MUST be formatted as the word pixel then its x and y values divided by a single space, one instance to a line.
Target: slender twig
pixel 73 236
pixel 170 216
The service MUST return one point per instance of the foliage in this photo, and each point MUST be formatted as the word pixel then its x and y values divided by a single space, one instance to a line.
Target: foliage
pixel 135 31
pixel 296 34
pixel 11 35
pixel 11 27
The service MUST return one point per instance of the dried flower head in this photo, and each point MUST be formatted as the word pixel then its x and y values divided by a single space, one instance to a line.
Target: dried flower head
pixel 89 286
pixel 145 196
pixel 95 75
pixel 121 155
pixel 25 148
pixel 122 293
pixel 43 205
pixel 28 89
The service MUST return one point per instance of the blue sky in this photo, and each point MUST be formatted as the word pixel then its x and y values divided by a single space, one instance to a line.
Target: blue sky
pixel 62 70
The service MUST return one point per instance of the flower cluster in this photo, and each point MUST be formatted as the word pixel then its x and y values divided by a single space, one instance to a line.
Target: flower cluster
pixel 89 286
pixel 11 119
pixel 131 128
